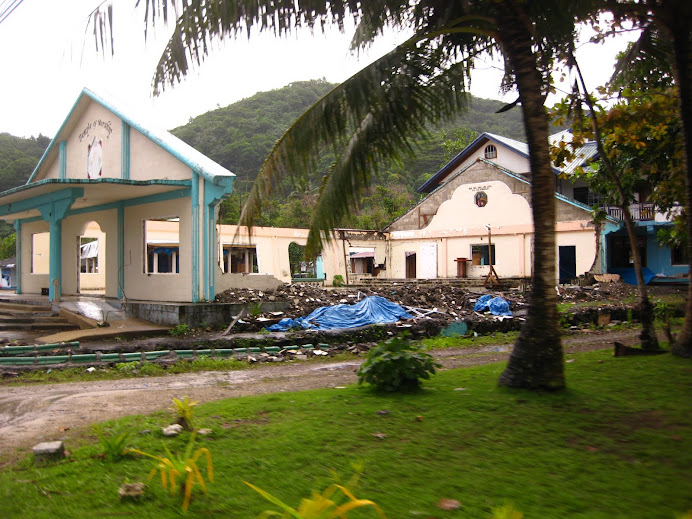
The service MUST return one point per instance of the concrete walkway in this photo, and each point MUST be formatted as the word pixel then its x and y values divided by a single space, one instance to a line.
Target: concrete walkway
pixel 97 317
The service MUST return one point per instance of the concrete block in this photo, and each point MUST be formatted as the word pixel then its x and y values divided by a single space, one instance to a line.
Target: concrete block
pixel 46 453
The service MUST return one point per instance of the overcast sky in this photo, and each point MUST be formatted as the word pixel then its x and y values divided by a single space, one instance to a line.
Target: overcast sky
pixel 47 57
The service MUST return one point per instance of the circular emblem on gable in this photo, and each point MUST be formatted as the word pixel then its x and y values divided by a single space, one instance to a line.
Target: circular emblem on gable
pixel 481 199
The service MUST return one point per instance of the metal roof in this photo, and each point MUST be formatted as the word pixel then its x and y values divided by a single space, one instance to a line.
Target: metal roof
pixel 583 155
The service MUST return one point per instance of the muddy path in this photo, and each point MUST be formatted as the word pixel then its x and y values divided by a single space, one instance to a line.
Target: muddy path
pixel 31 414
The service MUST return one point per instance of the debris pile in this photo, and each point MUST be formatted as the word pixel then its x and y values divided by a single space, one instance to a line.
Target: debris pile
pixel 451 303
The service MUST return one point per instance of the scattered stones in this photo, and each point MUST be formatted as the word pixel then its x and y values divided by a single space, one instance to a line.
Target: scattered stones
pixel 46 453
pixel 172 430
pixel 131 491
pixel 204 432
pixel 448 504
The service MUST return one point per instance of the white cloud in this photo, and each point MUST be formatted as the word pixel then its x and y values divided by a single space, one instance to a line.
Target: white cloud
pixel 47 59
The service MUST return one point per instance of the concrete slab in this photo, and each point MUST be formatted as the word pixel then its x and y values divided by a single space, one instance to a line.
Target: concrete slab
pixel 126 328
pixel 48 452
pixel 98 317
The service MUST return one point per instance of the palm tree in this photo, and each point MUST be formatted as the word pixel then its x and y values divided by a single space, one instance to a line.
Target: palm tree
pixel 373 116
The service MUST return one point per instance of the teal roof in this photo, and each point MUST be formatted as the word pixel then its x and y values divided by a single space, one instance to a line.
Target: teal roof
pixel 196 161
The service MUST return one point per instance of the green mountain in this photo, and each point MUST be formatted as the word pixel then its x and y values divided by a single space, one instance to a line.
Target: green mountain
pixel 18 158
pixel 240 136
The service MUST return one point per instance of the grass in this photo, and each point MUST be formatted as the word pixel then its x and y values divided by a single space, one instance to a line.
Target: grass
pixel 439 342
pixel 616 444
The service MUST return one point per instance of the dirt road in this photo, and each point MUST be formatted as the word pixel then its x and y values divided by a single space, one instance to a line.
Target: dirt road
pixel 30 414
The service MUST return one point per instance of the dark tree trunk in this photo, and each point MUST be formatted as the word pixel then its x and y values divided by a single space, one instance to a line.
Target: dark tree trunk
pixel 647 337
pixel 537 360
pixel 676 18
pixel 596 265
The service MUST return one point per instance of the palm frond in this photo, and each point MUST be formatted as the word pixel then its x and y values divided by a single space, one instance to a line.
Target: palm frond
pixel 651 51
pixel 370 118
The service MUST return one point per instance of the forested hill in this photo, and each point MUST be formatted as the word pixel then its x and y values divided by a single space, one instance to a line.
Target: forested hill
pixel 18 158
pixel 240 136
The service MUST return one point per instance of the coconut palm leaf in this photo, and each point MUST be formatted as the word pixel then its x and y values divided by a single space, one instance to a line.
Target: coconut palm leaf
pixel 370 118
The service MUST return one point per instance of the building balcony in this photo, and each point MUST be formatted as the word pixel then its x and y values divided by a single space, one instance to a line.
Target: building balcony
pixel 642 212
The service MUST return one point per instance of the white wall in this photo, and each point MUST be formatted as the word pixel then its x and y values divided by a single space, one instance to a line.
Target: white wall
pixel 165 286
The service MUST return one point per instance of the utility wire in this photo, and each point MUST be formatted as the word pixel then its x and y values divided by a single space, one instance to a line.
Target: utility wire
pixel 6 11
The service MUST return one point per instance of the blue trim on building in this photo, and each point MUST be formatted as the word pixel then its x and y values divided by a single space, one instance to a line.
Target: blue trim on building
pixel 510 174
pixel 148 199
pixel 213 194
pixel 125 151
pixel 121 252
pixel 42 200
pixel 659 258
pixel 62 160
pixel 195 237
pixel 86 182
pixel 18 253
pixel 176 147
pixel 52 143
pixel 53 212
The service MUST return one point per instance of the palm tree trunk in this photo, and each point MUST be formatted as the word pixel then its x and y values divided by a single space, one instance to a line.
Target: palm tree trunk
pixel 536 361
pixel 677 20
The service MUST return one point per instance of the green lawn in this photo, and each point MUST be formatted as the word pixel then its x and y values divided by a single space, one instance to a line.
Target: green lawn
pixel 617 444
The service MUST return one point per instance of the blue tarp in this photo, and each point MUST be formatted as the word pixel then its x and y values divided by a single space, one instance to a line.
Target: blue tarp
pixel 629 276
pixel 496 305
pixel 371 310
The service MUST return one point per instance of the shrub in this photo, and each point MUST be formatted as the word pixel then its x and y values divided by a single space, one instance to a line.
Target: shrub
pixel 255 309
pixel 397 364
pixel 181 473
pixel 128 367
pixel 179 330
pixel 338 281
pixel 335 502
pixel 113 445
pixel 185 411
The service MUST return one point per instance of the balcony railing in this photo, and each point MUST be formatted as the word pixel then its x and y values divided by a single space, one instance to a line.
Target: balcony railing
pixel 639 212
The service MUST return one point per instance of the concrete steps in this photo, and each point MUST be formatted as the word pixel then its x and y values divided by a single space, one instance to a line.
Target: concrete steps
pixel 26 317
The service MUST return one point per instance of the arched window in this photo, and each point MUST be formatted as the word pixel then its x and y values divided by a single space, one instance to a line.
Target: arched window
pixel 490 151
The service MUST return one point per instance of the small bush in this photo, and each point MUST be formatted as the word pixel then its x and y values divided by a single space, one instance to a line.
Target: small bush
pixel 128 367
pixel 185 411
pixel 255 309
pixel 113 445
pixel 179 330
pixel 336 501
pixel 338 281
pixel 180 473
pixel 397 364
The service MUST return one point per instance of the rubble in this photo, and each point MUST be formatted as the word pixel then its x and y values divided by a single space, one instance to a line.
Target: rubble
pixel 442 303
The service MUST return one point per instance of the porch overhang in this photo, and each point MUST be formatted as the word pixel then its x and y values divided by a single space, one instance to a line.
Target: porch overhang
pixel 23 202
